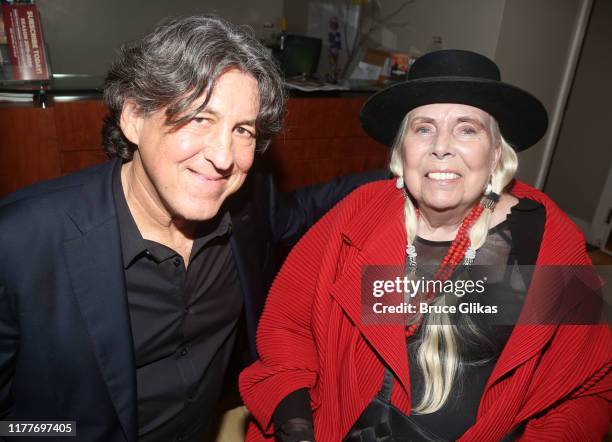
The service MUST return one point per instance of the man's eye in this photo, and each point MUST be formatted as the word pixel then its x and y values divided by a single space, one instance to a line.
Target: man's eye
pixel 244 131
pixel 200 120
pixel 422 130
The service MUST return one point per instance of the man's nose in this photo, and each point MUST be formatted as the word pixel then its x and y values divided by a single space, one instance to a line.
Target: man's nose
pixel 218 148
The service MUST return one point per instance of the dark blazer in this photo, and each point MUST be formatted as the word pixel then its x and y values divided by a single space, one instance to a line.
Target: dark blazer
pixel 65 339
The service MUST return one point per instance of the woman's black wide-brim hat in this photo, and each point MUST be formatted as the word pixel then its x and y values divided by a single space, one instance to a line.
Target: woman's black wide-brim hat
pixel 456 76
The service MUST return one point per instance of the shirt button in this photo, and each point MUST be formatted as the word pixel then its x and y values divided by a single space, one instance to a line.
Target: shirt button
pixel 177 262
pixel 184 351
pixel 187 310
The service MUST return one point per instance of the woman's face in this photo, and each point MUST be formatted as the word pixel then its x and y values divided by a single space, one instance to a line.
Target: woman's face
pixel 448 155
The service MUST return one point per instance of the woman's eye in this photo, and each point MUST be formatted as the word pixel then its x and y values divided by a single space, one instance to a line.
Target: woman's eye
pixel 422 130
pixel 468 130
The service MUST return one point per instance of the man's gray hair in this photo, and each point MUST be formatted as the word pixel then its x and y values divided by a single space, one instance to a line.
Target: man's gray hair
pixel 179 62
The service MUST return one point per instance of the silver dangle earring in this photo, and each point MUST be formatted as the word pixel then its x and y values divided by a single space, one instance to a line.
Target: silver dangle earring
pixel 399 183
pixel 490 198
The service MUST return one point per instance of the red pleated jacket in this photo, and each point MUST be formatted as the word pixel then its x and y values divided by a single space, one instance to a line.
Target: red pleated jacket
pixel 554 377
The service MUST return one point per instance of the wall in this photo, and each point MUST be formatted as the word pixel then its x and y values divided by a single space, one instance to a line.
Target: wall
pixel 531 52
pixel 462 24
pixel 82 34
pixel 583 154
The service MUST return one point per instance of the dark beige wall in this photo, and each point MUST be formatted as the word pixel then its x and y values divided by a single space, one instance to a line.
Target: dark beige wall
pixel 583 153
pixel 532 51
pixel 462 24
pixel 82 34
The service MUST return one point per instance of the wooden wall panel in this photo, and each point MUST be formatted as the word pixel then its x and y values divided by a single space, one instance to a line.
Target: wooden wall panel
pixel 297 163
pixel 323 118
pixel 28 145
pixel 79 159
pixel 322 139
pixel 79 124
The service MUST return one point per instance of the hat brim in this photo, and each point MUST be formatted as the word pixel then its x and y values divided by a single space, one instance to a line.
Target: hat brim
pixel 521 117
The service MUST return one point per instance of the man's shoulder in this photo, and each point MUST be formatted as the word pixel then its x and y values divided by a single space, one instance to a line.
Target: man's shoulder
pixel 55 190
pixel 36 203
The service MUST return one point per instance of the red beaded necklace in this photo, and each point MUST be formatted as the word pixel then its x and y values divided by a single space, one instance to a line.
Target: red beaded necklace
pixel 454 256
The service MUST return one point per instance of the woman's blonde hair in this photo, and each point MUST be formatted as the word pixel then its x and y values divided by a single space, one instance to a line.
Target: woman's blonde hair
pixel 438 355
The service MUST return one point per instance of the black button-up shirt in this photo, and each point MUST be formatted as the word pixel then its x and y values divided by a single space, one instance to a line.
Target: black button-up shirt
pixel 184 323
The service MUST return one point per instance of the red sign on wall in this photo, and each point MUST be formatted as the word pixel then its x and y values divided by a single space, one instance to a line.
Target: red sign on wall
pixel 25 42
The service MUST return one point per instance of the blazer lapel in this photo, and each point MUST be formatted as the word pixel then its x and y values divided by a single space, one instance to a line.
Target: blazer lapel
pixel 247 254
pixel 94 264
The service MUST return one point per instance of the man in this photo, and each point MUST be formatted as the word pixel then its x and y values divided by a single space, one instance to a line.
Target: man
pixel 122 286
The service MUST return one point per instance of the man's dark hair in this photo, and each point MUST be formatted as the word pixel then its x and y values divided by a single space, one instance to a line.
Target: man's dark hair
pixel 179 62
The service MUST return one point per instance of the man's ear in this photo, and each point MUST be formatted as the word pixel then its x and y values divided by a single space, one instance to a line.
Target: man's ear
pixel 130 121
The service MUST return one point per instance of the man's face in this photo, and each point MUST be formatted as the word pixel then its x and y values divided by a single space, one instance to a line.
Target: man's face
pixel 189 172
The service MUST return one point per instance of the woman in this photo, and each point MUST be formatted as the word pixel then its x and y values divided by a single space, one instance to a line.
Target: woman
pixel 326 373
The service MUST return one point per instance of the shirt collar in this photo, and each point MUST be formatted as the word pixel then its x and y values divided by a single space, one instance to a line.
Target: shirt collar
pixel 134 246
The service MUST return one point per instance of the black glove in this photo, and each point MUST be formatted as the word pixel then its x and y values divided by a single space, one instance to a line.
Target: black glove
pixel 295 430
